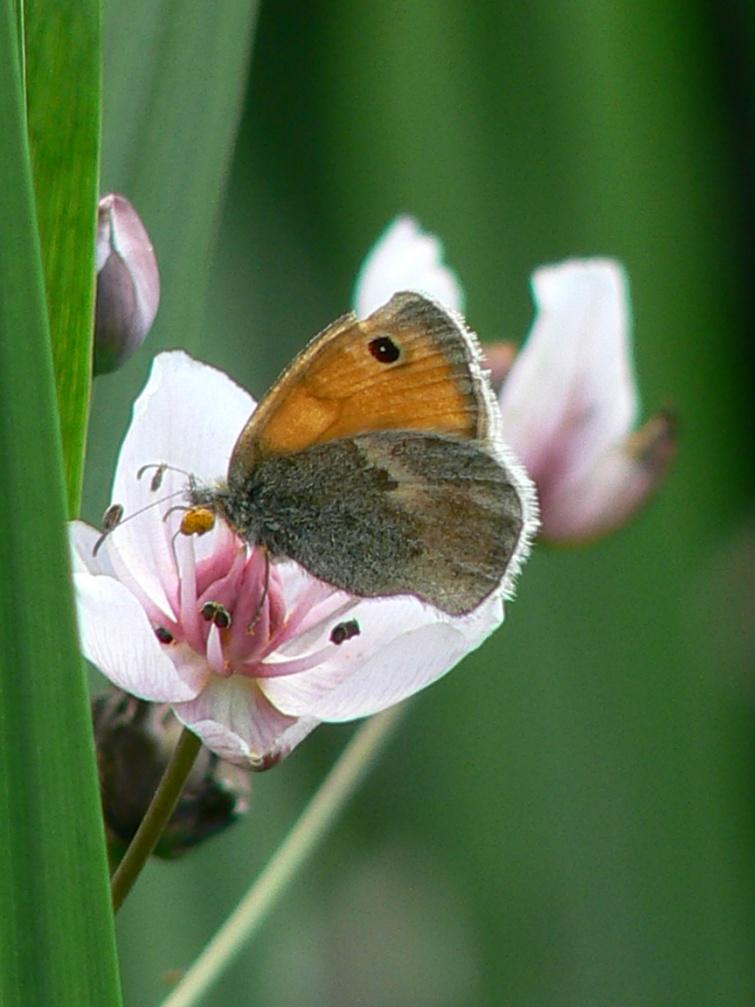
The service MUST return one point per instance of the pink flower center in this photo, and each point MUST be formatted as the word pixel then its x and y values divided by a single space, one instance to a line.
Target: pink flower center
pixel 232 609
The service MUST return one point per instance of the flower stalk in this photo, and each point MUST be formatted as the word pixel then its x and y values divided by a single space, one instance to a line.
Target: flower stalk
pixel 158 814
pixel 266 889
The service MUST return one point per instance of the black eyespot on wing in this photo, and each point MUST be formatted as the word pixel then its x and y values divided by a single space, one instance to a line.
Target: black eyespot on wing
pixel 344 631
pixel 384 350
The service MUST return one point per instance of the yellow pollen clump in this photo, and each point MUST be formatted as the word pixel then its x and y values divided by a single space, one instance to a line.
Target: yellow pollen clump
pixel 197 521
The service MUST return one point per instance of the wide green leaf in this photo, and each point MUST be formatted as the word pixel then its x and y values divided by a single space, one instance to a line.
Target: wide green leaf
pixel 63 102
pixel 56 938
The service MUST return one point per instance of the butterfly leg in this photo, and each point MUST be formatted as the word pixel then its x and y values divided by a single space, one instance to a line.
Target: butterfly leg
pixel 263 597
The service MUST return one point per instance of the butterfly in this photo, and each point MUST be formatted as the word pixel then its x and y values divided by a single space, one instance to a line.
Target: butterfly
pixel 375 462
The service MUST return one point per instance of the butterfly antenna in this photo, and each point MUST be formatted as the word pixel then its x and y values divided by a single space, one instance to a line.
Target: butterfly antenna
pixel 113 517
pixel 160 469
pixel 173 509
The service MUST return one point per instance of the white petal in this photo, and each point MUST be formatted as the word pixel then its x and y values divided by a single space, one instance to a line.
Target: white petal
pixel 571 392
pixel 617 485
pixel 235 720
pixel 403 645
pixel 83 538
pixel 117 638
pixel 189 416
pixel 405 258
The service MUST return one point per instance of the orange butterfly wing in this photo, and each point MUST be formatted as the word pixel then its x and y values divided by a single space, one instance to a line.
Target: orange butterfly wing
pixel 410 366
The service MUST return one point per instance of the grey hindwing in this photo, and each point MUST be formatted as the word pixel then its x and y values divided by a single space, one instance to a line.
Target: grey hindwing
pixel 386 513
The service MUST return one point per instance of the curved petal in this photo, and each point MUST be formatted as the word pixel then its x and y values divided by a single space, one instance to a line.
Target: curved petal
pixel 83 539
pixel 405 258
pixel 236 721
pixel 188 416
pixel 402 646
pixel 617 485
pixel 117 638
pixel 571 392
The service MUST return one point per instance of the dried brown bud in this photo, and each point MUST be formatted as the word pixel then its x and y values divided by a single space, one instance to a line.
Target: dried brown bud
pixel 134 743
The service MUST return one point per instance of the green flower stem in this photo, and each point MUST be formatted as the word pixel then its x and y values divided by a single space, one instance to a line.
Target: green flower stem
pixel 157 816
pixel 311 827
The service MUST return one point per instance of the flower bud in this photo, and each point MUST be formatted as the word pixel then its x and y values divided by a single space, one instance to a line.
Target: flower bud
pixel 135 741
pixel 128 283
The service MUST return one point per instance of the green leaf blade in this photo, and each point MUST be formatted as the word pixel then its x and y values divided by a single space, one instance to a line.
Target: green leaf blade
pixel 57 941
pixel 63 88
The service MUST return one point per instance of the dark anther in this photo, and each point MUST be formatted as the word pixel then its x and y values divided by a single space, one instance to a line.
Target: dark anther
pixel 163 635
pixel 110 519
pixel 157 478
pixel 344 631
pixel 384 350
pixel 213 611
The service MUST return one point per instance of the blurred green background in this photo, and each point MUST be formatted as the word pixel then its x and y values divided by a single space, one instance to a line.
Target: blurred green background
pixel 565 820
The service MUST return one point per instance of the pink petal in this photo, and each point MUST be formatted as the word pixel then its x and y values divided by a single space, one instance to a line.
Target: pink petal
pixel 117 638
pixel 571 392
pixel 235 720
pixel 620 481
pixel 403 645
pixel 405 258
pixel 189 415
pixel 499 358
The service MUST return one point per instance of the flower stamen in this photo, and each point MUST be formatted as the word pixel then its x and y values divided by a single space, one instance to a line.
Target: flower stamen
pixel 213 611
pixel 344 631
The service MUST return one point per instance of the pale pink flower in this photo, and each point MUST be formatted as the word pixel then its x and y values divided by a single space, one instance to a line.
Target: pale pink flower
pixel 152 602
pixel 569 401
pixel 569 404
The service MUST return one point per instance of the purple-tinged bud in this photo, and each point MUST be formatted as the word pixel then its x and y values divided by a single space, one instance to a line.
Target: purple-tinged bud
pixel 134 742
pixel 128 283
